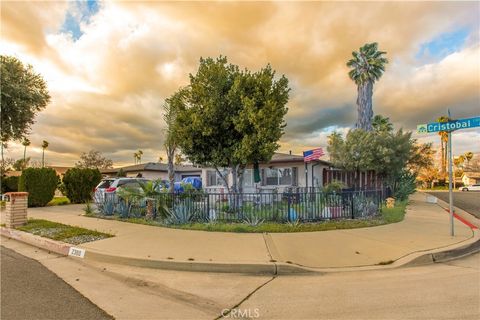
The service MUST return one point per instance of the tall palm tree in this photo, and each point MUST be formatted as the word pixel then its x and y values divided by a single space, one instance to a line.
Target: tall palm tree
pixel 367 66
pixel 468 156
pixel 135 157
pixel 44 146
pixel 139 156
pixel 25 144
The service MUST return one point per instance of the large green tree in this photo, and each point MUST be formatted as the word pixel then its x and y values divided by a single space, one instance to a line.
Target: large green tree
pixel 367 66
pixel 23 93
pixel 392 155
pixel 231 117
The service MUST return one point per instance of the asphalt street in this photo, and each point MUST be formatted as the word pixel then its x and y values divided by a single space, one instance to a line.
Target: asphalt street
pixel 31 291
pixel 448 290
pixel 468 201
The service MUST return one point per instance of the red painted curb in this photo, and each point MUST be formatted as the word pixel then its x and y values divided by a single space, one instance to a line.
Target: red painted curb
pixel 466 222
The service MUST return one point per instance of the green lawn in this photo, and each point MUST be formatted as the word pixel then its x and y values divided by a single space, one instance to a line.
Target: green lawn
pixel 387 215
pixel 62 232
pixel 395 214
pixel 58 201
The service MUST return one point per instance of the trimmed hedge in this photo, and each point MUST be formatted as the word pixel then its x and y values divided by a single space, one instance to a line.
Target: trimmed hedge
pixel 9 184
pixel 40 183
pixel 78 184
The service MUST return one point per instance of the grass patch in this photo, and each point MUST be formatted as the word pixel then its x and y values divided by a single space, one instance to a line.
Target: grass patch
pixel 273 227
pixel 395 214
pixel 59 201
pixel 62 232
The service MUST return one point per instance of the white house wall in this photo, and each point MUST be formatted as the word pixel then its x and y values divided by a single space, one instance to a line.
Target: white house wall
pixel 300 168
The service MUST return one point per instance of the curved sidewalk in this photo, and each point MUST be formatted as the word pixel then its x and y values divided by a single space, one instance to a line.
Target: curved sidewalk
pixel 426 227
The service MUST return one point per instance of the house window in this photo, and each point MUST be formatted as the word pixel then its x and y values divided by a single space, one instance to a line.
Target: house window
pixel 214 179
pixel 278 176
pixel 248 178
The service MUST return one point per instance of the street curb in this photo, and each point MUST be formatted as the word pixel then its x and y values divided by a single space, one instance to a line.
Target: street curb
pixel 58 247
pixel 198 266
pixel 432 256
pixel 446 255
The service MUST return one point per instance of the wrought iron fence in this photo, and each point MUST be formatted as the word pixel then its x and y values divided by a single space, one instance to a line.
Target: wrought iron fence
pixel 238 207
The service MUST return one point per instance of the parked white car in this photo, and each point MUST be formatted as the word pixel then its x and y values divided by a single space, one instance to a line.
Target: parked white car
pixel 111 185
pixel 474 187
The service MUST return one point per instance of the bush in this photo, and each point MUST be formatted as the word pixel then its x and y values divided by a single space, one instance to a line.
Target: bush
pixel 405 186
pixel 9 184
pixel 40 183
pixel 78 184
pixel 334 186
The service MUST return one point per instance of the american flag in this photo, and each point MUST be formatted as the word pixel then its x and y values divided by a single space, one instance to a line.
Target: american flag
pixel 314 154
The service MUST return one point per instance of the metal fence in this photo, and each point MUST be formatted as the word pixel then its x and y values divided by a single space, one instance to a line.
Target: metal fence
pixel 238 207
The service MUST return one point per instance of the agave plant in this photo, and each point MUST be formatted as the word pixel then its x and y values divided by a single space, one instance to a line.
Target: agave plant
pixel 180 214
pixel 105 204
pixel 294 223
pixel 253 221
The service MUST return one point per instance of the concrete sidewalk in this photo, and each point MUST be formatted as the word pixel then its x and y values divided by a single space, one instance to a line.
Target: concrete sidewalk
pixel 426 227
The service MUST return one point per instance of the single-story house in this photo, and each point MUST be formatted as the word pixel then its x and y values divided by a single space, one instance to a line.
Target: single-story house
pixel 282 171
pixel 59 170
pixel 154 171
pixel 470 178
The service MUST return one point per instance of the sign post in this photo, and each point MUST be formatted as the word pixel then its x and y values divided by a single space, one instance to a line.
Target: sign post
pixel 449 127
pixel 450 181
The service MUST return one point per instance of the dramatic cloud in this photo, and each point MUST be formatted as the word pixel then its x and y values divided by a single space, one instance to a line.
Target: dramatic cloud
pixel 110 65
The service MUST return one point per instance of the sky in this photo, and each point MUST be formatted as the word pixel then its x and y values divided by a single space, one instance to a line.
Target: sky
pixel 110 65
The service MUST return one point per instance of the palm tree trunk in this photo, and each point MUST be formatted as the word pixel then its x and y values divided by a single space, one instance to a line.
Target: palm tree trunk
pixel 43 158
pixel 364 106
pixel 3 160
pixel 171 169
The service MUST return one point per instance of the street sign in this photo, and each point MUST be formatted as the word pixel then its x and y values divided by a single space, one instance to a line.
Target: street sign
pixel 449 126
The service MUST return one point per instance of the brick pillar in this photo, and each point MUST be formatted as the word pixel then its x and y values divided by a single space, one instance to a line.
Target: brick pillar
pixel 16 209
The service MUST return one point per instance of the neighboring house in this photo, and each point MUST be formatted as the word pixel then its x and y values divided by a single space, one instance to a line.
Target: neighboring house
pixel 59 170
pixel 154 171
pixel 470 178
pixel 13 173
pixel 282 171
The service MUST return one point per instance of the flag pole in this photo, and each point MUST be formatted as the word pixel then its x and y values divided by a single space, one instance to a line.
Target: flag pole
pixel 306 174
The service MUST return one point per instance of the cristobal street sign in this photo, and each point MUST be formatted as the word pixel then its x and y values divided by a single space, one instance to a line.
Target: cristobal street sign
pixel 449 126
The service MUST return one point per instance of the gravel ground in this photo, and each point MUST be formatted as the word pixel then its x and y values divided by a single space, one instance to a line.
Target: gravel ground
pixel 83 238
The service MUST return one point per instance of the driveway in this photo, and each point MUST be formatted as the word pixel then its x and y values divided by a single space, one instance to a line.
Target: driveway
pixel 468 201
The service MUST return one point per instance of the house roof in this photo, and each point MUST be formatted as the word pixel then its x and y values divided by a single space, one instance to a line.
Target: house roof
pixel 59 170
pixel 152 166
pixel 13 173
pixel 472 174
pixel 286 157
pixel 163 167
